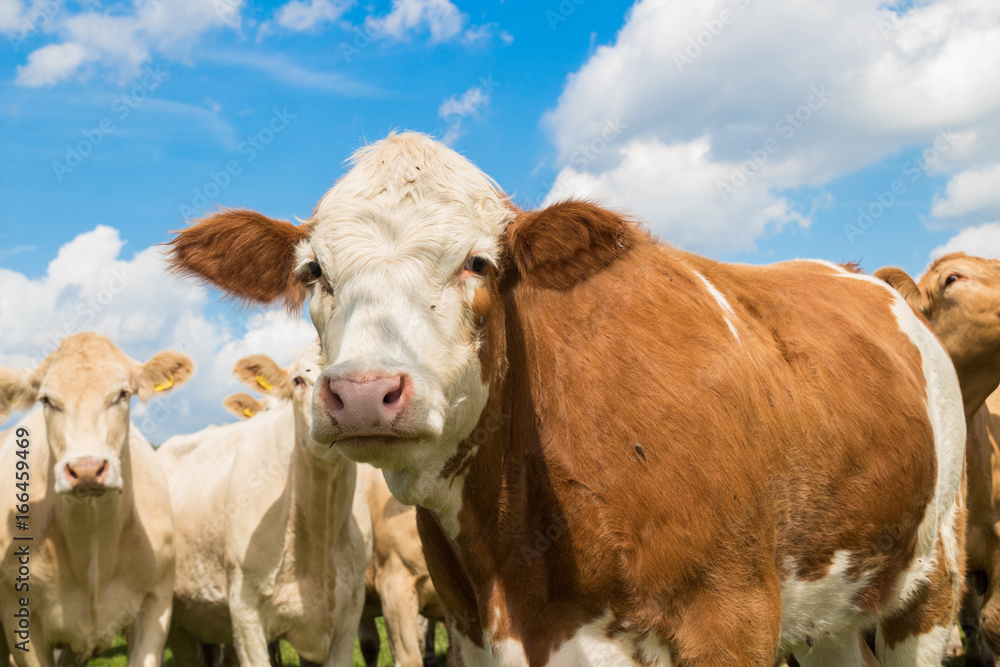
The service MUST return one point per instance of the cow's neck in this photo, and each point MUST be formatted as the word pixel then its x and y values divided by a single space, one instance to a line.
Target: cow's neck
pixel 92 528
pixel 321 500
pixel 977 382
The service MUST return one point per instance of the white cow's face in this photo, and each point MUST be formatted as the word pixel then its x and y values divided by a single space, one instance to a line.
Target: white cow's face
pixel 85 388
pixel 399 252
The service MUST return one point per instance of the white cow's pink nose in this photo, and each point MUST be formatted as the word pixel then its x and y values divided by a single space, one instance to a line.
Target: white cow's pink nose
pixel 360 404
pixel 87 473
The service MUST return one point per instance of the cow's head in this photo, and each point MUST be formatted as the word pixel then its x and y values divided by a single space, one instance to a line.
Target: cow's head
pixel 84 388
pixel 403 261
pixel 281 385
pixel 960 297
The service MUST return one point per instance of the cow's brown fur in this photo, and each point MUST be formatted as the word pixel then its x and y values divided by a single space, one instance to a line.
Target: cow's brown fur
pixel 207 249
pixel 698 414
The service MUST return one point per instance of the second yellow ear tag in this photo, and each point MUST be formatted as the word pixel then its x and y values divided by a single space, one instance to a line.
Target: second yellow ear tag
pixel 166 384
pixel 248 412
pixel 262 381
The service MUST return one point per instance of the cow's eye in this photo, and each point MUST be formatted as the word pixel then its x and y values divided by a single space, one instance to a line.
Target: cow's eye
pixel 315 270
pixel 122 396
pixel 47 402
pixel 951 279
pixel 475 264
pixel 298 381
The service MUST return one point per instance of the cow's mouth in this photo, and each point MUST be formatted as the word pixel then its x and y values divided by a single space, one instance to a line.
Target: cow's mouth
pixel 372 441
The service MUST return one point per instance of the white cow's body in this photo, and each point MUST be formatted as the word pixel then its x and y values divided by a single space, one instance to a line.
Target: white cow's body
pixel 274 543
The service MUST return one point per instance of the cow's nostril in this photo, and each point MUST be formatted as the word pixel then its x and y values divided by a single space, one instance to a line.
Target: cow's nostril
pixel 102 469
pixel 72 473
pixel 393 396
pixel 336 402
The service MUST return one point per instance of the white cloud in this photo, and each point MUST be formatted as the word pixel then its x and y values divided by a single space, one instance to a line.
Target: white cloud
pixel 455 110
pixel 974 191
pixel 442 19
pixel 982 241
pixel 89 286
pixel 298 15
pixel 727 76
pixel 124 41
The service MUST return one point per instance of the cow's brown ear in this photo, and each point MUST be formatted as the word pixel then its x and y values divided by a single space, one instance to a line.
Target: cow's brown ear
pixel 558 246
pixel 901 281
pixel 18 390
pixel 245 253
pixel 260 373
pixel 243 405
pixel 164 372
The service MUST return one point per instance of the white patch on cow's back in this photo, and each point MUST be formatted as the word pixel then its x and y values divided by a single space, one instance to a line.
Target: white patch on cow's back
pixel 820 611
pixel 727 310
pixel 947 418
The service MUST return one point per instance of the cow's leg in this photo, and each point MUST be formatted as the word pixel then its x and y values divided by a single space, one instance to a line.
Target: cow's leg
pixel 717 632
pixel 350 599
pixel 428 635
pixel 917 635
pixel 369 640
pixel 148 633
pixel 400 610
pixel 989 616
pixel 249 631
pixel 40 653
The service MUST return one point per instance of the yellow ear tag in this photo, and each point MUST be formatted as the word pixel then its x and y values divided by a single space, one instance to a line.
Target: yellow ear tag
pixel 248 412
pixel 262 381
pixel 166 384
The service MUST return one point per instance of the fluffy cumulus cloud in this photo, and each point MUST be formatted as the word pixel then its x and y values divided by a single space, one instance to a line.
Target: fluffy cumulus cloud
pixel 703 117
pixel 121 40
pixel 969 194
pixel 983 240
pixel 457 108
pixel 90 286
pixel 440 19
pixel 298 15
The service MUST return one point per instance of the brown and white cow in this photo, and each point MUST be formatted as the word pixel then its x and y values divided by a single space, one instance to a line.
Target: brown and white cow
pixel 98 545
pixel 624 454
pixel 960 297
pixel 275 536
pixel 397 583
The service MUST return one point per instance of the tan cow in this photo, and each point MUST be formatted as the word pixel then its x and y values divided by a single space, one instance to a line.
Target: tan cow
pixel 98 545
pixel 275 536
pixel 960 297
pixel 623 454
pixel 397 584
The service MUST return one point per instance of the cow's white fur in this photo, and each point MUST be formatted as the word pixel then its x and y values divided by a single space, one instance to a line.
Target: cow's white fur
pixel 391 238
pixel 727 310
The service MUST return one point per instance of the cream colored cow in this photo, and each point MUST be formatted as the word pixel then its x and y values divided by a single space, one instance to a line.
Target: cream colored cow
pixel 397 585
pixel 274 536
pixel 99 552
pixel 960 297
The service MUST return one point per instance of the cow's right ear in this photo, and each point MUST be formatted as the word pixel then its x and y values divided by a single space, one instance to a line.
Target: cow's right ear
pixel 260 373
pixel 243 405
pixel 18 390
pixel 901 281
pixel 248 255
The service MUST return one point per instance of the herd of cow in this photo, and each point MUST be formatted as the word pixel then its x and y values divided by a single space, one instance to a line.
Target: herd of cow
pixel 620 453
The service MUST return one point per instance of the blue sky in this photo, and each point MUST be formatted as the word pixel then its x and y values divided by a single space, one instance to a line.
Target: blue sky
pixel 855 130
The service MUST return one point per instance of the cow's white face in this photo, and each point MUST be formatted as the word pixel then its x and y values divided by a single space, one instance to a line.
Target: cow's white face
pixel 85 388
pixel 397 252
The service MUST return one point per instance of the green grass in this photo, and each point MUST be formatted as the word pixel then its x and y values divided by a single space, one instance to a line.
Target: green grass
pixel 115 656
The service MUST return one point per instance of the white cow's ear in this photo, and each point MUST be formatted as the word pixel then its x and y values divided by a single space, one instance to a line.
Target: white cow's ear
pixel 901 281
pixel 18 390
pixel 260 373
pixel 165 371
pixel 242 405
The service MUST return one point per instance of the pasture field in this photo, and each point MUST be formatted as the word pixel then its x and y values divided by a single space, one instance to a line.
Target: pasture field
pixel 115 656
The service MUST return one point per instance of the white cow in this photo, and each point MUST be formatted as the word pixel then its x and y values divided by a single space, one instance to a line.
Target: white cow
pixel 275 536
pixel 95 554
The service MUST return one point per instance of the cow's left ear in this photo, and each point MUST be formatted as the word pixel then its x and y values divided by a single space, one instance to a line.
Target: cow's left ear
pixel 165 371
pixel 18 390
pixel 901 281
pixel 559 246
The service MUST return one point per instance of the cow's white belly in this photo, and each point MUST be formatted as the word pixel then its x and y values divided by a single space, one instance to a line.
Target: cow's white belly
pixel 590 646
